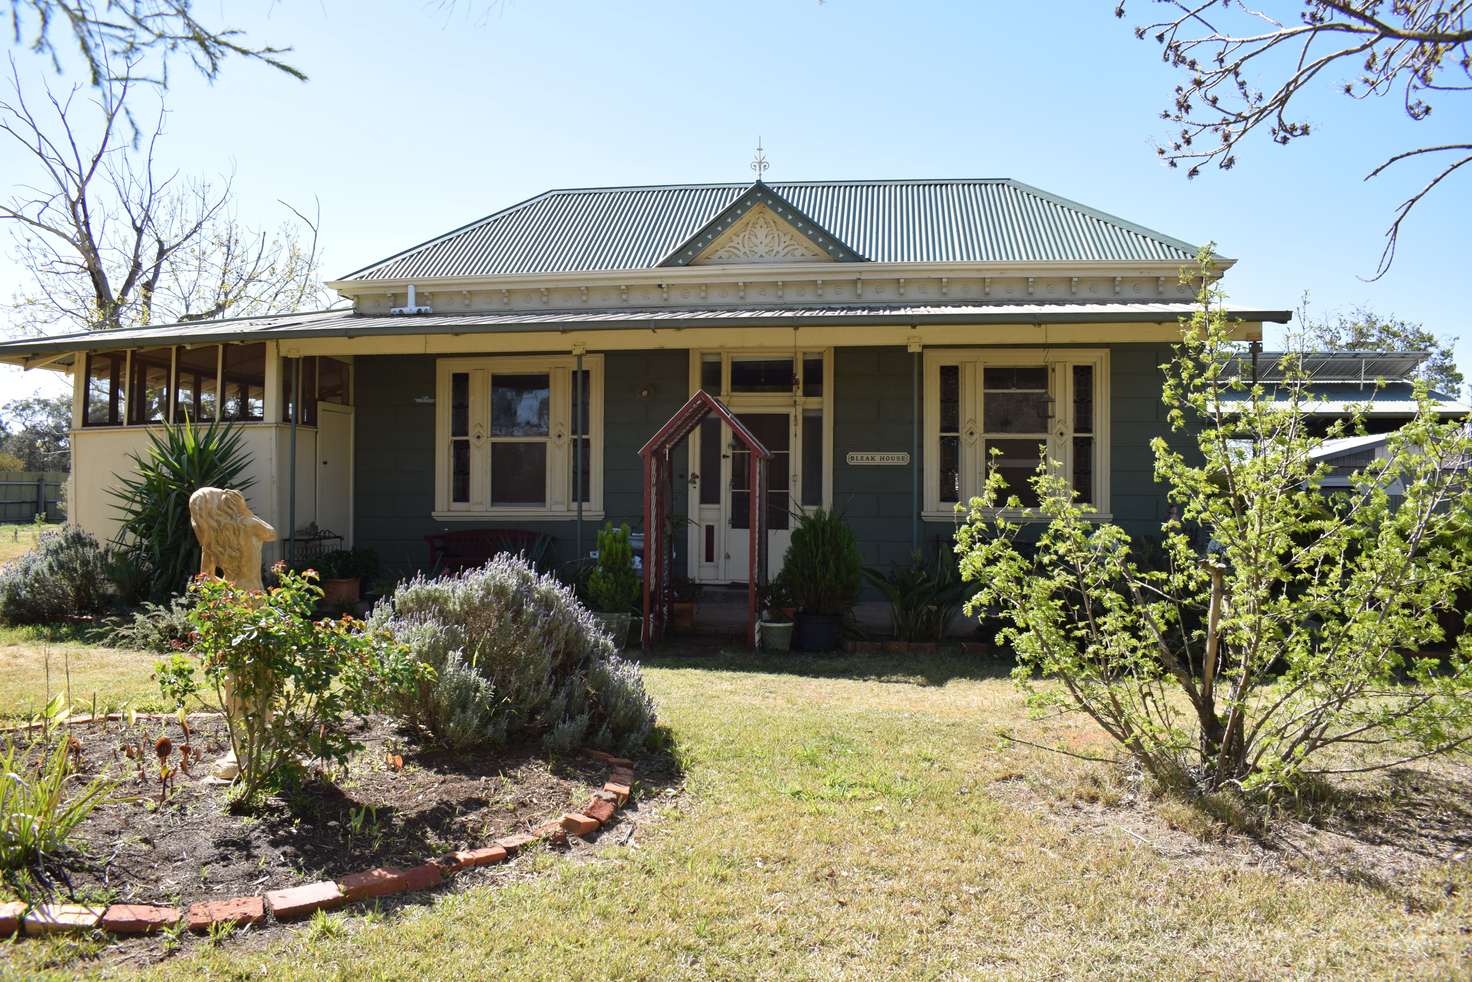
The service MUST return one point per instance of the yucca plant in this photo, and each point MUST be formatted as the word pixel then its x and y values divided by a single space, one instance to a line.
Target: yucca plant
pixel 822 568
pixel 39 806
pixel 155 538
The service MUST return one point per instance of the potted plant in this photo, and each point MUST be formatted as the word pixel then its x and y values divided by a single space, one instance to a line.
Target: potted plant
pixel 343 572
pixel 686 593
pixel 613 586
pixel 823 571
pixel 775 629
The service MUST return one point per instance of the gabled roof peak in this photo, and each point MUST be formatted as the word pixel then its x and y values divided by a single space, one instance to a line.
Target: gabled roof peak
pixel 809 238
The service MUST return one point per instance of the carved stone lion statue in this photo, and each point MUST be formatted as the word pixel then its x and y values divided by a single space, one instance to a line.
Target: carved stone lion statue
pixel 230 537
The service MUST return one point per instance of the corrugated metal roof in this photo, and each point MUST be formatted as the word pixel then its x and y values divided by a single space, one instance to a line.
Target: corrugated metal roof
pixel 346 323
pixel 1339 399
pixel 600 229
pixel 1350 367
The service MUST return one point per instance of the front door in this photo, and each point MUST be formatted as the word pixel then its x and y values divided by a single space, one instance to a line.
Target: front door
pixel 774 429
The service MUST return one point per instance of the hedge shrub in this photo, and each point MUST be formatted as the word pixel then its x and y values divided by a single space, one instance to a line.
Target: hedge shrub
pixel 514 656
pixel 66 575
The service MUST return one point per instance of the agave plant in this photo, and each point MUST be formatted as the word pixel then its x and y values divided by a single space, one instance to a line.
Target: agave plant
pixel 924 597
pixel 155 538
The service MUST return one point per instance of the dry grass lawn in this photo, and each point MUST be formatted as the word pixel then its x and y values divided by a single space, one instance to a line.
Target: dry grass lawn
pixel 18 539
pixel 857 818
pixel 39 663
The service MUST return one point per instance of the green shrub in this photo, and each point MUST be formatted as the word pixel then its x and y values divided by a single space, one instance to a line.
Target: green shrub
pixel 39 805
pixel 923 596
pixel 288 684
pixel 613 586
pixel 543 666
pixel 155 537
pixel 1284 636
pixel 66 575
pixel 822 568
pixel 153 627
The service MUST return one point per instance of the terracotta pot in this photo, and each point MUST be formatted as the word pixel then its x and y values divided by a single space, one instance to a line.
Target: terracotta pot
pixel 341 593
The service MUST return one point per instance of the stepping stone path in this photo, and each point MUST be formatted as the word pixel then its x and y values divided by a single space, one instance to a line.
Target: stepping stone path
pixel 292 903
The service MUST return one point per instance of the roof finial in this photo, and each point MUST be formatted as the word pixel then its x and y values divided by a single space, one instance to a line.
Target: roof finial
pixel 759 164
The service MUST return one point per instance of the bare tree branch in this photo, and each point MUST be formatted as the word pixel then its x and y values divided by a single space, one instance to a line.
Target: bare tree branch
pixel 111 240
pixel 110 32
pixel 1416 47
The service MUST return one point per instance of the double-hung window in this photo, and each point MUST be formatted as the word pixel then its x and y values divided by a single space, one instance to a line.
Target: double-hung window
pixel 515 435
pixel 1007 410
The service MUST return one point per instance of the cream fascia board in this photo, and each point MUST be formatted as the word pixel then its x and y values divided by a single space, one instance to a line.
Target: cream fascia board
pixel 752 272
pixel 821 336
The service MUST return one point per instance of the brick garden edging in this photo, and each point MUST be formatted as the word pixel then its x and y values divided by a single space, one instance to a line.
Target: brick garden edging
pixel 293 903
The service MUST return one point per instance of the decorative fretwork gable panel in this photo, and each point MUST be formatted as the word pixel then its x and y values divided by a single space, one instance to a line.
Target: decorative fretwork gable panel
pixel 761 237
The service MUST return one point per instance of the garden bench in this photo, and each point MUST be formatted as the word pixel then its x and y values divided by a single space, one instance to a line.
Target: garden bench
pixel 451 552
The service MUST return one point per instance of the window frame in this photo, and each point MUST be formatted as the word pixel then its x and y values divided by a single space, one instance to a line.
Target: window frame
pixel 117 396
pixel 560 502
pixel 1060 428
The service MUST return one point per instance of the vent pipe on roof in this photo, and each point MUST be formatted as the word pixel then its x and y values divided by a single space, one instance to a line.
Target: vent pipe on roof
pixel 410 306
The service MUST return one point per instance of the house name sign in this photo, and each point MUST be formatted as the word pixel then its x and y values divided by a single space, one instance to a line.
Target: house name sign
pixel 878 458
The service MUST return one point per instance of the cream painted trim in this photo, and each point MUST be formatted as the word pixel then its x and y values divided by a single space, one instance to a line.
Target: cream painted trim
pixel 1060 428
pixel 559 369
pixel 1013 516
pixel 763 271
pixel 757 402
pixel 775 336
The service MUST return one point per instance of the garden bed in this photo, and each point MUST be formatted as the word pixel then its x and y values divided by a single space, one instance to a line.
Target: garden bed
pixel 397 806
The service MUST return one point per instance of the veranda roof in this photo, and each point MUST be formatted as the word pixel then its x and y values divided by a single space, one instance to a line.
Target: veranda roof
pixel 347 324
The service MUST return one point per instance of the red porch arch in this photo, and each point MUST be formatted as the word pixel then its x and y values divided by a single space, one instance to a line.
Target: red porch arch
pixel 658 542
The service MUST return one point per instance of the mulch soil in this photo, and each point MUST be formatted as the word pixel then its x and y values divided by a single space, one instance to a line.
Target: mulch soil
pixel 397 805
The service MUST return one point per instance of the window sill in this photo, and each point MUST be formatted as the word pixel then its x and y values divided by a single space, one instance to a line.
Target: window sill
pixel 502 514
pixel 949 515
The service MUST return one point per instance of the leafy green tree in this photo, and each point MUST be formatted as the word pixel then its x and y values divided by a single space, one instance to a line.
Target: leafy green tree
pixel 35 429
pixel 1364 330
pixel 1277 638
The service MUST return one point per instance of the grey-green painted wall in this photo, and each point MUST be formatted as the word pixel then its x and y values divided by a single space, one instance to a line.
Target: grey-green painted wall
pixel 394 483
pixel 872 411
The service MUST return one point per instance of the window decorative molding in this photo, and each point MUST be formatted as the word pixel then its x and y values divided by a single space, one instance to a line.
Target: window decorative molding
pixel 506 437
pixel 761 237
pixel 1019 402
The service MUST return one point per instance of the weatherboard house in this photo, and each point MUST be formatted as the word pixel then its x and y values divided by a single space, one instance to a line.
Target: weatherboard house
pixel 880 338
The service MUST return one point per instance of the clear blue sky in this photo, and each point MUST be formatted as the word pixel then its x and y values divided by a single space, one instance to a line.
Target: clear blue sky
pixel 417 119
